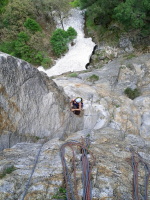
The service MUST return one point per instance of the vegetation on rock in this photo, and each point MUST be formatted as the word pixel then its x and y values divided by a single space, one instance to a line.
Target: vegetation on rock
pixel 26 27
pixel 93 78
pixel 36 19
pixel 60 40
pixel 32 25
pixel 3 3
pixel 114 17
pixel 61 194
pixel 6 171
pixel 75 3
pixel 73 74
pixel 132 94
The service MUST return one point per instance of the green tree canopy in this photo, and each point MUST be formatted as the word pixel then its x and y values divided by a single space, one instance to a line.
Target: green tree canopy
pixel 32 25
pixel 52 8
pixel 3 3
pixel 60 40
pixel 16 11
pixel 99 11
pixel 133 13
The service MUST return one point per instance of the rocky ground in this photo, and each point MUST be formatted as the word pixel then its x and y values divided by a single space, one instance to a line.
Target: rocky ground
pixel 114 123
pixel 111 176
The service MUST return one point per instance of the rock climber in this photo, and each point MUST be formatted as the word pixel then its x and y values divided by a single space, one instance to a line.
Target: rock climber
pixel 76 105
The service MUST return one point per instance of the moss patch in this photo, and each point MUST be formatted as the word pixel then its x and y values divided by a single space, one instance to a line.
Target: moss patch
pixel 93 78
pixel 132 94
pixel 73 75
pixel 6 171
pixel 61 194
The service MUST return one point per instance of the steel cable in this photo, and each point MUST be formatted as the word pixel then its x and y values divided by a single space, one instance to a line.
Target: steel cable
pixel 33 169
pixel 147 176
pixel 36 161
pixel 86 171
pixel 135 163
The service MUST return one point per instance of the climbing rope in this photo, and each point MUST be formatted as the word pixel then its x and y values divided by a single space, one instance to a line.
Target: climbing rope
pixel 71 181
pixel 36 161
pixel 28 182
pixel 136 159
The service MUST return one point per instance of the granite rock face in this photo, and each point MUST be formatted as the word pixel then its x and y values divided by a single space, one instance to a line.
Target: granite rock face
pixel 114 123
pixel 112 175
pixel 126 44
pixel 105 102
pixel 31 104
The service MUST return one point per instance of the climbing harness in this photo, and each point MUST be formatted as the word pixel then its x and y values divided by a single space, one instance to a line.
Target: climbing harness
pixel 136 159
pixel 71 181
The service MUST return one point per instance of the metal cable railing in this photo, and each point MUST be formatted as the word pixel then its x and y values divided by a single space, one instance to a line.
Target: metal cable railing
pixel 71 183
pixel 36 161
pixel 136 159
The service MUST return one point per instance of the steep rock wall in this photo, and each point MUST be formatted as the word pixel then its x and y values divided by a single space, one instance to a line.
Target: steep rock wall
pixel 114 123
pixel 31 104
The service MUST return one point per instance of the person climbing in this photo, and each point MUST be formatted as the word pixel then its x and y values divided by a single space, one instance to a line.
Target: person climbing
pixel 76 105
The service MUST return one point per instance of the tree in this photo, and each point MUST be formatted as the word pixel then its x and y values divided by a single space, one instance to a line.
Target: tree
pixel 133 13
pixel 21 35
pixel 52 8
pixel 3 3
pixel 13 18
pixel 16 11
pixel 60 40
pixel 61 9
pixel 32 25
pixel 99 12
pixel 86 3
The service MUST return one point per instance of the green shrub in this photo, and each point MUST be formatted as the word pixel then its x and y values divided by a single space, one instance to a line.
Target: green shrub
pixel 60 39
pixel 75 3
pixel 132 14
pixel 46 62
pixel 32 25
pixel 61 194
pixel 22 50
pixel 23 36
pixel 117 106
pixel 7 47
pixel 93 78
pixel 129 56
pixel 73 75
pixel 132 94
pixel 146 30
pixel 20 46
pixel 39 57
pixel 19 49
pixel 8 170
pixel 43 59
pixel 3 3
pixel 71 32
